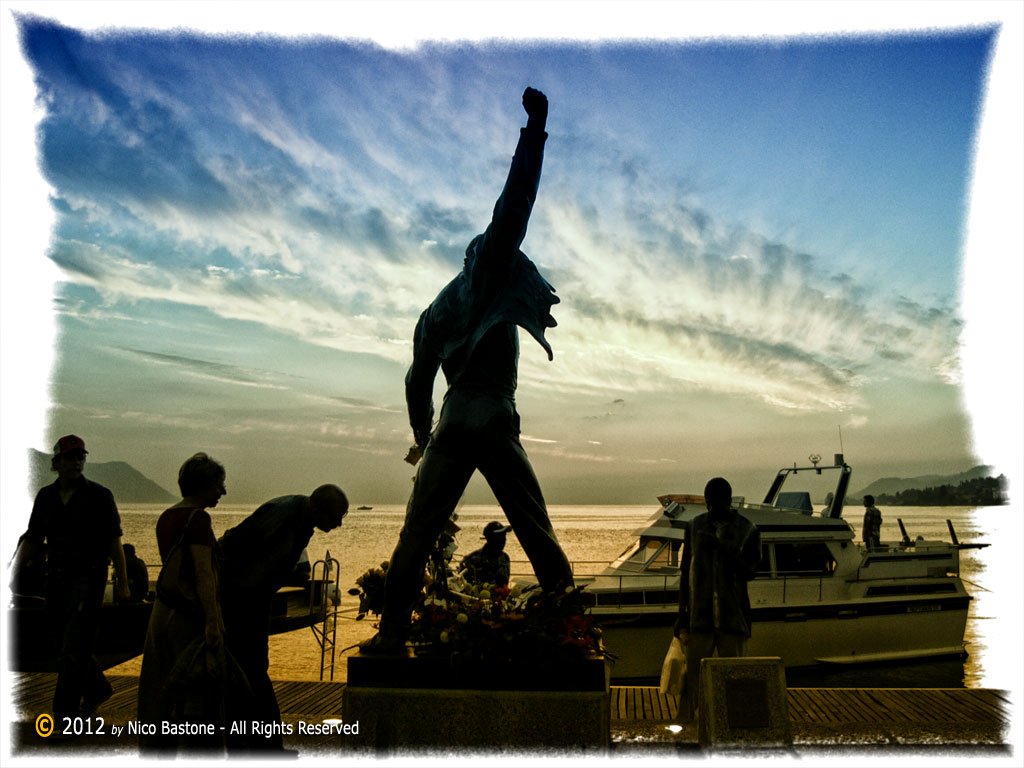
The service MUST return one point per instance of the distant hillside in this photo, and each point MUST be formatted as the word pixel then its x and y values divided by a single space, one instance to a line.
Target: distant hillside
pixel 128 485
pixel 985 492
pixel 890 486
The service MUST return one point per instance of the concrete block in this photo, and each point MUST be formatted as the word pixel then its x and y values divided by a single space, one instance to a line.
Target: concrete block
pixel 400 719
pixel 742 703
pixel 409 702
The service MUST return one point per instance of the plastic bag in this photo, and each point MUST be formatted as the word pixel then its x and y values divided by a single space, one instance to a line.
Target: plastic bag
pixel 673 669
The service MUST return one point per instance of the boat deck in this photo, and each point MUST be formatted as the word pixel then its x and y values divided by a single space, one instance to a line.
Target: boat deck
pixel 971 718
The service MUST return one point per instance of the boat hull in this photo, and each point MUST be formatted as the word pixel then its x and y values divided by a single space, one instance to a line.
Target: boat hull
pixel 122 627
pixel 816 635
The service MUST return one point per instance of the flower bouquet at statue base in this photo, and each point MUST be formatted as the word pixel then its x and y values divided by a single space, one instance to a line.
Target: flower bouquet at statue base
pixel 370 591
pixel 506 626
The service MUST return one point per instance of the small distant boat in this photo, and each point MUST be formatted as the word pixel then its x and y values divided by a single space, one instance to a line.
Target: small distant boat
pixel 364 507
pixel 122 626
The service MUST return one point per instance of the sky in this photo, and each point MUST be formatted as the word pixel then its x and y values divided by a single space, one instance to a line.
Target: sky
pixel 758 234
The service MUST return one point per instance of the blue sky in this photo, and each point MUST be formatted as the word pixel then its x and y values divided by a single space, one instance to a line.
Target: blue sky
pixel 757 242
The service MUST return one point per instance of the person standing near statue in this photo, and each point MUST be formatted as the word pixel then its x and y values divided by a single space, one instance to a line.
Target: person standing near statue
pixel 722 551
pixel 80 525
pixel 490 564
pixel 470 332
pixel 871 530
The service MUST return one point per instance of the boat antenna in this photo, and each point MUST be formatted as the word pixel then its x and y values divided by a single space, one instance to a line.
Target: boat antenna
pixel 839 459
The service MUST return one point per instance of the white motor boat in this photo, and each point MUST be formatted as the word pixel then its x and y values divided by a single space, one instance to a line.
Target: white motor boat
pixel 819 597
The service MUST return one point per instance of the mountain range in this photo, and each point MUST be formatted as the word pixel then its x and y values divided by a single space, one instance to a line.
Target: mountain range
pixel 128 485
pixel 893 485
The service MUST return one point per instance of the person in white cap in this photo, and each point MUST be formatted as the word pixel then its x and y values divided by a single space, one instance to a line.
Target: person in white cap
pixel 490 564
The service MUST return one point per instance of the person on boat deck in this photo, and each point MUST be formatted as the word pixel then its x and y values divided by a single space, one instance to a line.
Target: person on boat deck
pixel 490 564
pixel 871 530
pixel 79 524
pixel 259 557
pixel 470 331
pixel 186 670
pixel 138 574
pixel 722 551
pixel 827 510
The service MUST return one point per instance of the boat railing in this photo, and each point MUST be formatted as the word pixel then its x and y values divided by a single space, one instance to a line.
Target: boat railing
pixel 622 590
pixel 582 570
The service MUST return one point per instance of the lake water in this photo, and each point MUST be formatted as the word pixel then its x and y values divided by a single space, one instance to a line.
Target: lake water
pixel 598 534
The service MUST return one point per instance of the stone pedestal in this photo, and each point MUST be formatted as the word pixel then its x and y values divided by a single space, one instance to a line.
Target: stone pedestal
pixel 413 703
pixel 742 703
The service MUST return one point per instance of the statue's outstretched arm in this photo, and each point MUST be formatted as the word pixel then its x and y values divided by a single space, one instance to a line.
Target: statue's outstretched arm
pixel 512 211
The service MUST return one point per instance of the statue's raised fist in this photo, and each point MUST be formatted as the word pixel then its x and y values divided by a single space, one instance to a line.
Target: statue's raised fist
pixel 535 103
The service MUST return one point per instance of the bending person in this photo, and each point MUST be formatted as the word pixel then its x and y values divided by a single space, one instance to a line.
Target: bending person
pixel 470 331
pixel 260 554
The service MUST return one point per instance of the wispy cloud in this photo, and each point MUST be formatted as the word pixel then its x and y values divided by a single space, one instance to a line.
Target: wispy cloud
pixel 211 371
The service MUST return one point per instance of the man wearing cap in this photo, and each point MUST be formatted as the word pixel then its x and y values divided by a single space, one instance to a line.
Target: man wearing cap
pixel 470 332
pixel 80 525
pixel 257 557
pixel 490 564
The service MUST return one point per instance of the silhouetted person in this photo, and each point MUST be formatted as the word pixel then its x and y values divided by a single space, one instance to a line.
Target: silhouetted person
pixel 470 332
pixel 259 555
pixel 871 530
pixel 490 564
pixel 138 574
pixel 185 670
pixel 79 522
pixel 721 555
pixel 827 510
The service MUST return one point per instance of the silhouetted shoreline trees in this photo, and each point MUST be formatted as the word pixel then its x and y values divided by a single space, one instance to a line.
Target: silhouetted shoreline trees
pixel 982 492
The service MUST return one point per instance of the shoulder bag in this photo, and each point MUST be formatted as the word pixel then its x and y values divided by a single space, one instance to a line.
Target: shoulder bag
pixel 176 584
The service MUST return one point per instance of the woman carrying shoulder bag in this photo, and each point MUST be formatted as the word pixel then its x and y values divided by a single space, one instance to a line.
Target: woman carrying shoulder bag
pixel 184 666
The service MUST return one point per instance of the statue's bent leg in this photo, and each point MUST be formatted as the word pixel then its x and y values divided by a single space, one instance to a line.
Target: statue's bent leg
pixel 507 470
pixel 439 484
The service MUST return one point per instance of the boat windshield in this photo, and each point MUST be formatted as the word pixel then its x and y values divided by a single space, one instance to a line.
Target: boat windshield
pixel 651 554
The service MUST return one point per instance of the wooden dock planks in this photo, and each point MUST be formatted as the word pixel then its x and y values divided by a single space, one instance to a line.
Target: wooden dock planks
pixel 836 706
pixel 641 703
pixel 300 697
pixel 32 693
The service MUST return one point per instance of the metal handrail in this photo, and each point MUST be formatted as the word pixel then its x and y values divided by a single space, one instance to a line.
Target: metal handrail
pixel 329 571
